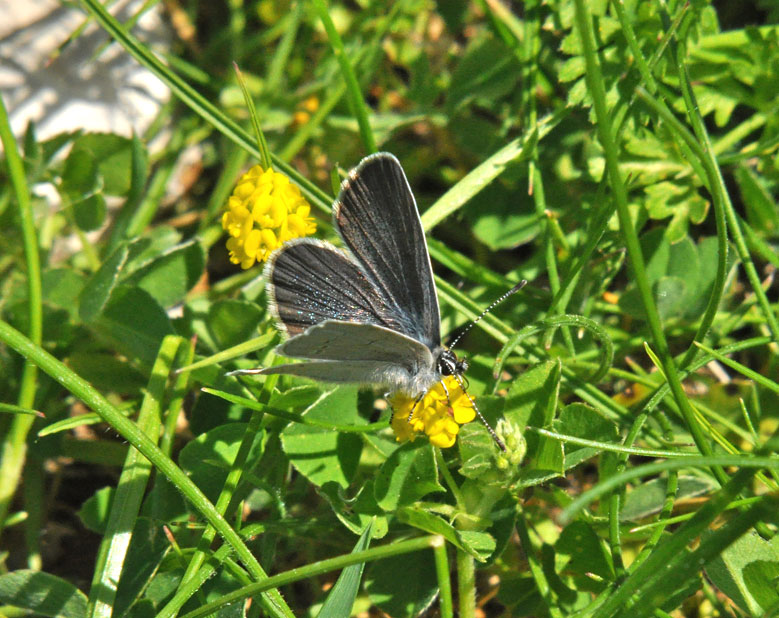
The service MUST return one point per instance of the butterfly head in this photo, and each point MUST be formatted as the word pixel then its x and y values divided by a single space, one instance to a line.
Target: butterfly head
pixel 448 364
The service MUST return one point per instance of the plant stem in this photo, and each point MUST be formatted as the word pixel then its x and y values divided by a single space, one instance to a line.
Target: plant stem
pixel 354 94
pixel 636 258
pixel 466 584
pixel 14 448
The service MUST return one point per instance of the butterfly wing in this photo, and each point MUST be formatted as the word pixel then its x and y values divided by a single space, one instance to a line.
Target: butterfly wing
pixel 377 218
pixel 334 371
pixel 352 341
pixel 362 353
pixel 310 281
pixel 373 319
pixel 335 315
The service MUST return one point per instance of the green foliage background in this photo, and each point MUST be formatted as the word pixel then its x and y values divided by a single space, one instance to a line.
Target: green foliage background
pixel 621 156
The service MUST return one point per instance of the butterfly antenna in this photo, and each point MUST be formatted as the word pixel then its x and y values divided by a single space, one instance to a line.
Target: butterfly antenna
pixel 494 435
pixel 494 304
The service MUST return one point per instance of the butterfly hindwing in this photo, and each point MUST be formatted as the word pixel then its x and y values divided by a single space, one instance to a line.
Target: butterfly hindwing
pixel 352 341
pixel 336 351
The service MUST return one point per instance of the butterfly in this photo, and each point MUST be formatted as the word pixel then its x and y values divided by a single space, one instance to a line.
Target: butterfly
pixel 371 316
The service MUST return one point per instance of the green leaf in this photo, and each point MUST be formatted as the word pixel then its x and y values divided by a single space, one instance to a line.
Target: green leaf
pixel 207 458
pixel 134 321
pixel 98 288
pixel 647 499
pixel 747 571
pixel 89 213
pixel 762 213
pixel 80 175
pixel 403 586
pixel 532 400
pixel 33 153
pixel 358 512
pixel 476 446
pixel 477 179
pixel 139 171
pixel 94 512
pixel 171 274
pixel 296 399
pixel 232 321
pixel 584 550
pixel 42 594
pixel 107 372
pixel 549 456
pixel 148 548
pixel 409 473
pixel 113 155
pixel 520 595
pixel 669 293
pixel 144 250
pixel 61 288
pixel 496 220
pixel 480 545
pixel 487 71
pixel 571 69
pixel 706 271
pixel 582 421
pixel 681 202
pixel 321 454
pixel 52 146
pixel 527 400
pixel 681 275
pixel 340 600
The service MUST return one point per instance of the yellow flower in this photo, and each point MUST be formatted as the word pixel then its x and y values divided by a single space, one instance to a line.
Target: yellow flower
pixel 438 415
pixel 264 211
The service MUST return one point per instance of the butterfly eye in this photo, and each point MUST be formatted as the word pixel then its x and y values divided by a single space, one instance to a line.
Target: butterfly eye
pixel 448 365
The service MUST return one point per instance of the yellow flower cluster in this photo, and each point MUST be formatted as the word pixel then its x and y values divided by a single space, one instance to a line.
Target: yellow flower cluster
pixel 438 415
pixel 264 211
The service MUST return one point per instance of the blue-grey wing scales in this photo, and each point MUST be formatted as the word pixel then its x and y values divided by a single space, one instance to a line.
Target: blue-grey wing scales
pixel 377 218
pixel 310 281
pixel 371 317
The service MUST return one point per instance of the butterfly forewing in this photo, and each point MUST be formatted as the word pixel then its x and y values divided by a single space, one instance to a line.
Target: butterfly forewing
pixel 310 281
pixel 377 217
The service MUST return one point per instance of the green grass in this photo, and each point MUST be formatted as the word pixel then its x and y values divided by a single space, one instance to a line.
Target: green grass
pixel 619 156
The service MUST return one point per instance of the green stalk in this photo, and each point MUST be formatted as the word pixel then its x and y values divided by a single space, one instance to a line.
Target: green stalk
pixel 297 141
pixel 535 566
pixel 226 503
pixel 630 37
pixel 636 258
pixel 444 582
pixel 14 448
pixel 318 568
pixel 354 95
pixel 203 108
pixel 262 145
pixel 720 194
pixel 466 584
pixel 536 180
pixel 688 461
pixel 723 209
pixel 130 490
pixel 615 544
pixel 80 388
pixel 677 565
